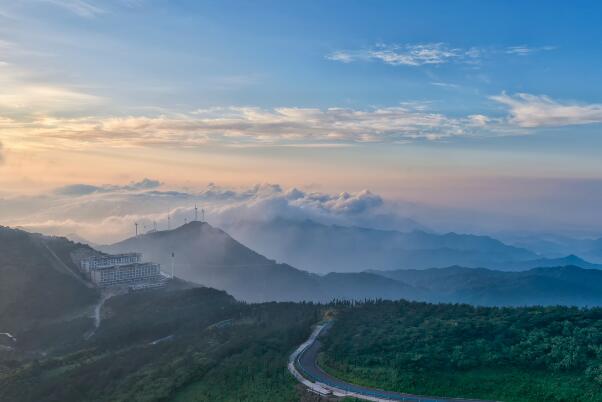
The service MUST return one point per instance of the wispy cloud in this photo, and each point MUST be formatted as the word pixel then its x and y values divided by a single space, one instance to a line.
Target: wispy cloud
pixel 427 54
pixel 532 111
pixel 85 189
pixel 523 50
pixel 239 126
pixel 408 55
pixel 78 7
pixel 22 91
pixel 445 85
pixel 45 98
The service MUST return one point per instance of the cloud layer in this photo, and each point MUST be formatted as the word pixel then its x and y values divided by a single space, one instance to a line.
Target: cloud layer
pixel 244 126
pixel 84 189
pixel 107 213
pixel 289 126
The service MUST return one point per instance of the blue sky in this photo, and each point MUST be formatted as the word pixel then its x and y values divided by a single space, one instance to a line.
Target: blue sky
pixel 273 54
pixel 422 94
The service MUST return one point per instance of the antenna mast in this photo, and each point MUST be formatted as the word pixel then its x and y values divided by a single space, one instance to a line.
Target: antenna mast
pixel 173 257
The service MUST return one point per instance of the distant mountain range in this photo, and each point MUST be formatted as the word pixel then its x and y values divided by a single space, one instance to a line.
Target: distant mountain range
pixel 554 246
pixel 209 256
pixel 326 248
pixel 35 269
pixel 568 285
pixel 545 263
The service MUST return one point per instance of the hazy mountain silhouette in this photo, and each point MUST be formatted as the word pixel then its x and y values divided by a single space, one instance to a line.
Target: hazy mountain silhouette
pixel 595 250
pixel 569 285
pixel 39 281
pixel 209 256
pixel 546 263
pixel 325 248
pixel 361 285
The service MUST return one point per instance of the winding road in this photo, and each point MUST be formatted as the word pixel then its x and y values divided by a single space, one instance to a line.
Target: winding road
pixel 302 365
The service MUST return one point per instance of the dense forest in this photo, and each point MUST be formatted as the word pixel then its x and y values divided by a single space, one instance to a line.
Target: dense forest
pixel 510 354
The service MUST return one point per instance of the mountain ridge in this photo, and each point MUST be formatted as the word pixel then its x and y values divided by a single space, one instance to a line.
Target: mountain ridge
pixel 324 248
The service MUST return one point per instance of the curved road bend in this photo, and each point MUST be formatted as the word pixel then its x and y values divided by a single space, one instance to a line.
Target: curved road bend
pixel 302 364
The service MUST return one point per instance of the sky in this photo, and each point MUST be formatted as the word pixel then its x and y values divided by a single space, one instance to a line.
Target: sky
pixel 490 106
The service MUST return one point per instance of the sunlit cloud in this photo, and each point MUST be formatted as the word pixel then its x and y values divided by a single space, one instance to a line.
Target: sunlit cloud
pixel 24 93
pixel 41 97
pixel 239 126
pixel 533 111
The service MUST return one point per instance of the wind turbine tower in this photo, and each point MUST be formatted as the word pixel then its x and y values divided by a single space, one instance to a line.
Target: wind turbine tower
pixel 203 215
pixel 196 213
pixel 168 222
pixel 136 224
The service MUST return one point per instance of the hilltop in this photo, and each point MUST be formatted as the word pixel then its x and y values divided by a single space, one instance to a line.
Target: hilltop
pixel 209 256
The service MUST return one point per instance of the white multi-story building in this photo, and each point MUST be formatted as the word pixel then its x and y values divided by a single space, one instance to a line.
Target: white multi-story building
pixel 126 274
pixel 122 269
pixel 108 260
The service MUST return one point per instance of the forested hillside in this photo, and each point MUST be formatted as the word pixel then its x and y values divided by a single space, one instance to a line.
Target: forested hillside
pixel 38 280
pixel 509 354
pixel 189 345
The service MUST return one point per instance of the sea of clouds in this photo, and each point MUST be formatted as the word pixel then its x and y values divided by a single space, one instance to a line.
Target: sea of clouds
pixel 107 213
